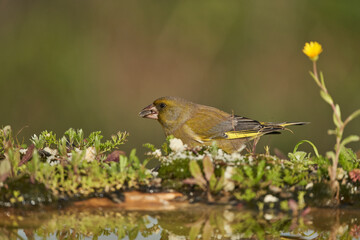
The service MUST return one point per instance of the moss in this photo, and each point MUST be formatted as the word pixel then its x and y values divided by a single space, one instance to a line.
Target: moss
pixel 176 170
pixel 21 191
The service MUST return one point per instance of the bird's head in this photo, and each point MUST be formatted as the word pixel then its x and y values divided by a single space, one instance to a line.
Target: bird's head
pixel 169 111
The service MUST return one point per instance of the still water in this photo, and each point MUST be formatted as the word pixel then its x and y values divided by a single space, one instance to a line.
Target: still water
pixel 190 222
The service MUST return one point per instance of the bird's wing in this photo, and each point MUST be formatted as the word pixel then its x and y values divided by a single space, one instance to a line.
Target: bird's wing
pixel 210 125
pixel 236 127
pixel 249 128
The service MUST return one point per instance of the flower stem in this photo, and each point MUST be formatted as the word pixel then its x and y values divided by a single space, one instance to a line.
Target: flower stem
pixel 317 80
pixel 315 70
pixel 323 88
pixel 340 130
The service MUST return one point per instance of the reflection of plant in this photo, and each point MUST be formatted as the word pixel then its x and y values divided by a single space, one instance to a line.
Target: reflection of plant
pixel 194 222
pixel 206 222
pixel 96 224
pixel 312 50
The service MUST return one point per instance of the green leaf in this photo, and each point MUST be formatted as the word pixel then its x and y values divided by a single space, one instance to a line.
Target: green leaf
pixel 197 174
pixel 332 132
pixel 306 141
pixel 298 156
pixel 249 172
pixel 315 78
pixel 212 182
pixel 220 183
pixel 260 170
pixel 80 137
pixel 337 110
pixel 122 163
pixel 207 231
pixel 33 165
pixel 238 176
pixel 354 115
pixel 326 97
pixel 248 195
pixel 132 155
pixel 284 205
pixel 149 146
pixel 5 169
pixel 194 231
pixel 208 167
pixel 195 169
pixel 301 199
pixel 322 80
pixel 348 159
pixel 97 143
pixel 274 175
pixel 337 116
pixel 71 133
pixel 62 146
pixel 330 155
pixel 349 139
pixel 133 233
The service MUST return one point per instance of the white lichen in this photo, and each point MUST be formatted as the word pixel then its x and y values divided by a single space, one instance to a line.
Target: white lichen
pixel 228 216
pixel 90 154
pixel 270 199
pixel 340 173
pixel 268 216
pixel 176 145
pixel 23 151
pixel 309 185
pixel 228 183
pixel 53 152
pixel 157 153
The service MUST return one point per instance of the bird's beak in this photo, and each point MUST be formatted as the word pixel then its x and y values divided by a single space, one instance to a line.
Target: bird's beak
pixel 149 112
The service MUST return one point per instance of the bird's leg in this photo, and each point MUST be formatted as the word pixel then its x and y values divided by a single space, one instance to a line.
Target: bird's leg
pixel 255 142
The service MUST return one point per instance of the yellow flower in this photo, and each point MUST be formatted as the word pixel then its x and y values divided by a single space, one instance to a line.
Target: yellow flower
pixel 312 50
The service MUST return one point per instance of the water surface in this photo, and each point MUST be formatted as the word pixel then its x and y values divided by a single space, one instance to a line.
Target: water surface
pixel 191 222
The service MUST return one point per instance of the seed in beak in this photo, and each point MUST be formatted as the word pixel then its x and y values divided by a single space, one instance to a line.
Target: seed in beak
pixel 149 112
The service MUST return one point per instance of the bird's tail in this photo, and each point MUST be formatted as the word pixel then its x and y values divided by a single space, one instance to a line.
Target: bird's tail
pixel 265 128
pixel 274 128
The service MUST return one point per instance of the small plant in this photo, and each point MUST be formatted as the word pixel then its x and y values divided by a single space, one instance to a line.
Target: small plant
pixel 207 179
pixel 218 175
pixel 71 166
pixel 312 50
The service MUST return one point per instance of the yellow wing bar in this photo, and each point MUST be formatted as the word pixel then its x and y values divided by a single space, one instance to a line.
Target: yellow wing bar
pixel 235 135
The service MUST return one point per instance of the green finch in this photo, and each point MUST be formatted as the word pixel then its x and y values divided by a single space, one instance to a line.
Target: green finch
pixel 198 125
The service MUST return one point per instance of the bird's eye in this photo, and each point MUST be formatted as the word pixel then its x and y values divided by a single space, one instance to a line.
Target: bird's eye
pixel 162 105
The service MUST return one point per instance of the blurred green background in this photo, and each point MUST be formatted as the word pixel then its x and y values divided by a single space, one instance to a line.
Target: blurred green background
pixel 95 64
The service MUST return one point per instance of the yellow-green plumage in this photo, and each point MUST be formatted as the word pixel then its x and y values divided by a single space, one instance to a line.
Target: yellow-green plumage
pixel 197 124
